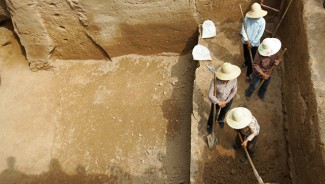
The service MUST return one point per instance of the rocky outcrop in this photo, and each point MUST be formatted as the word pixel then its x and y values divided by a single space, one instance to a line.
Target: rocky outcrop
pixel 30 27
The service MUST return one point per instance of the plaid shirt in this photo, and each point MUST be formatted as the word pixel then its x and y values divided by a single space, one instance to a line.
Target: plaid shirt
pixel 263 63
pixel 225 92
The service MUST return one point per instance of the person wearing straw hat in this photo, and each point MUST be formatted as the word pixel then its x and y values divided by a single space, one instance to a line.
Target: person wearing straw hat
pixel 242 120
pixel 255 26
pixel 264 60
pixel 226 88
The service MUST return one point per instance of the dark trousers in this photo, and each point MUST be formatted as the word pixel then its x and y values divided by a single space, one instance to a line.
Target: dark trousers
pixel 251 145
pixel 247 58
pixel 254 84
pixel 222 114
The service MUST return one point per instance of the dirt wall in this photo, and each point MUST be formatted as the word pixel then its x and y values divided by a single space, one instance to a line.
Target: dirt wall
pixel 99 29
pixel 303 90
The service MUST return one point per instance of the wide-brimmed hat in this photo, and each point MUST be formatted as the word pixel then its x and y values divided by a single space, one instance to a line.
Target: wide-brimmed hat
pixel 201 53
pixel 239 117
pixel 208 29
pixel 256 11
pixel 269 46
pixel 228 71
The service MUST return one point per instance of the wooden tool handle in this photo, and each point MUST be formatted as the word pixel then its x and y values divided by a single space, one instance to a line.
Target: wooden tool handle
pixel 257 176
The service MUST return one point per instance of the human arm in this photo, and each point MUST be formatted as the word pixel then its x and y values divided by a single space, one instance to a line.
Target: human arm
pixel 257 68
pixel 255 129
pixel 212 98
pixel 244 33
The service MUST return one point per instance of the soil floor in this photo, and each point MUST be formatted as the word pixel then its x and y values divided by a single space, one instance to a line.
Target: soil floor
pixel 221 164
pixel 125 121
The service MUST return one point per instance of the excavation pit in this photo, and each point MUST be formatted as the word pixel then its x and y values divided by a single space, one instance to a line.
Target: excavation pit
pixel 142 118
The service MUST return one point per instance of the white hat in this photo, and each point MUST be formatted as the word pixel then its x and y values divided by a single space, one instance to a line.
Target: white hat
pixel 209 29
pixel 256 11
pixel 228 71
pixel 239 117
pixel 201 53
pixel 269 46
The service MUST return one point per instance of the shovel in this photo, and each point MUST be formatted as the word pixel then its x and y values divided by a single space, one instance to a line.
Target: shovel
pixel 257 176
pixel 212 138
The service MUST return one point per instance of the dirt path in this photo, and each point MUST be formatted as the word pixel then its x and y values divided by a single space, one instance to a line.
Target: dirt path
pixel 222 165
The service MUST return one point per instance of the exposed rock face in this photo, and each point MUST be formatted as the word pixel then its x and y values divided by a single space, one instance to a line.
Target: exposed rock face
pixel 100 29
pixel 30 27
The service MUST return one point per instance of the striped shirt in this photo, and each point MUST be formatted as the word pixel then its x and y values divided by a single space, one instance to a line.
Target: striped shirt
pixel 225 92
pixel 255 29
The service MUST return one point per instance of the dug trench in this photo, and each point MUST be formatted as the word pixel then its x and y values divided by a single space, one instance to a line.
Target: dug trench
pixel 128 120
pixel 142 119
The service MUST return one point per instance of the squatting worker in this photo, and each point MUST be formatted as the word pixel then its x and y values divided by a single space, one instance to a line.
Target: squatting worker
pixel 266 57
pixel 226 82
pixel 242 120
pixel 255 26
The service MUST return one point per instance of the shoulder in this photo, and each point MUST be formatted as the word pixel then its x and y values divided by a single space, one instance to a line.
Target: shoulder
pixel 254 120
pixel 261 20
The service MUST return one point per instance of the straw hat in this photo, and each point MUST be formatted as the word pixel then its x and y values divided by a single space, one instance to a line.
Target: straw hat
pixel 228 71
pixel 200 52
pixel 256 11
pixel 239 117
pixel 269 46
pixel 209 29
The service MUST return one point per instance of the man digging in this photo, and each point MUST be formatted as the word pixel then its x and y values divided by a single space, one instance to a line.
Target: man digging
pixel 226 88
pixel 254 23
pixel 242 120
pixel 264 60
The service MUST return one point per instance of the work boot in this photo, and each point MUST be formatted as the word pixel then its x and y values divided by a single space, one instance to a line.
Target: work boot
pixel 221 124
pixel 244 159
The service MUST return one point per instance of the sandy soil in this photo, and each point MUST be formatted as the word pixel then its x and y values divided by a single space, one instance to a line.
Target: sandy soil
pixel 125 121
pixel 220 164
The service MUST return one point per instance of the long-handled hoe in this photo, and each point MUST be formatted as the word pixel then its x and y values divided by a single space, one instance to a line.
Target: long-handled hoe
pixel 257 176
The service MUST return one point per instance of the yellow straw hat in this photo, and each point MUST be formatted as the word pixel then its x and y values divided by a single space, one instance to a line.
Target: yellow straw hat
pixel 269 46
pixel 228 71
pixel 256 11
pixel 239 117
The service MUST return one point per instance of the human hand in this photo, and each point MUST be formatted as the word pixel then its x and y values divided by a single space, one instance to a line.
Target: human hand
pixel 249 44
pixel 276 62
pixel 244 144
pixel 265 76
pixel 222 104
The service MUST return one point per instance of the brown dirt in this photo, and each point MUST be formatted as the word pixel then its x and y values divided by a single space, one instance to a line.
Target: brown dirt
pixel 96 121
pixel 222 165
